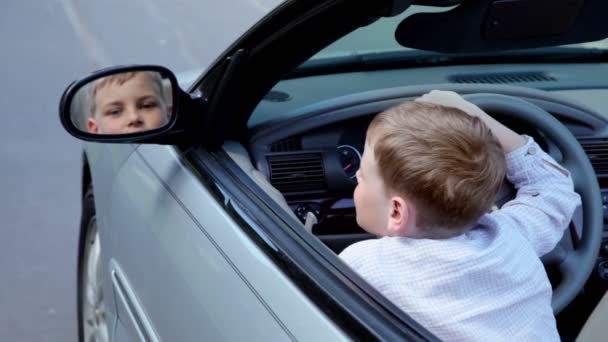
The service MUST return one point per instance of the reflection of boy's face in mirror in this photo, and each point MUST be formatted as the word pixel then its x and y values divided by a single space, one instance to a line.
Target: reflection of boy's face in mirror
pixel 127 103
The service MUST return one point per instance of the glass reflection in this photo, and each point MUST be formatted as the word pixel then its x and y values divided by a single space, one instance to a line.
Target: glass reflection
pixel 123 103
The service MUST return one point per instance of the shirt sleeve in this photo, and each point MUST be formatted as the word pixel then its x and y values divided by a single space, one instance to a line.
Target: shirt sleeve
pixel 545 200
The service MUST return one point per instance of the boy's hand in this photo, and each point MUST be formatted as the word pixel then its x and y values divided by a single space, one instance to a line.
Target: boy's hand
pixel 509 140
pixel 450 99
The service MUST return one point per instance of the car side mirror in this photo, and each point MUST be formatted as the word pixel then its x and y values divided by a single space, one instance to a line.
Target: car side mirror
pixel 126 105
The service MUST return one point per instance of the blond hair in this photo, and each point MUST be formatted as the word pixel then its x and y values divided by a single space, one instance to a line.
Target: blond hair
pixel 448 163
pixel 122 78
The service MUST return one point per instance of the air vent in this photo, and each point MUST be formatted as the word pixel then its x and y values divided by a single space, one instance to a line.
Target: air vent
pixel 597 151
pixel 511 77
pixel 297 172
pixel 287 145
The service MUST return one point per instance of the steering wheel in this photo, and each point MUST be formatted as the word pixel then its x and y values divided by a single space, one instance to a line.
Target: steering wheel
pixel 575 261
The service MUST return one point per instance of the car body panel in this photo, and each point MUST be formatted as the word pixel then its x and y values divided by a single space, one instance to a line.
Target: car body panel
pixel 194 272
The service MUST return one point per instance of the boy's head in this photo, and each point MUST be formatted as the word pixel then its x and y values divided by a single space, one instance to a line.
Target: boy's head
pixel 127 102
pixel 427 171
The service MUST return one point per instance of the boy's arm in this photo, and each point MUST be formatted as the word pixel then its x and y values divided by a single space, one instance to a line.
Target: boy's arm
pixel 545 200
pixel 508 139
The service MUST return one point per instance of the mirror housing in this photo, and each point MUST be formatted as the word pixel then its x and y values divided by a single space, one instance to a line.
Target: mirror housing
pixel 131 104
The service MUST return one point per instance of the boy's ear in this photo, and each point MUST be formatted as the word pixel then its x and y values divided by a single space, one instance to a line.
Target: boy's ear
pixel 399 216
pixel 92 126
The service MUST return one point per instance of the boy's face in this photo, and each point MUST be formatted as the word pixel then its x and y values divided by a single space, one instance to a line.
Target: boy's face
pixel 371 201
pixel 133 106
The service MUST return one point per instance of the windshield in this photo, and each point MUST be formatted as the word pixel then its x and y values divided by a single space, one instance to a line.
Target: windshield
pixel 379 37
pixel 374 47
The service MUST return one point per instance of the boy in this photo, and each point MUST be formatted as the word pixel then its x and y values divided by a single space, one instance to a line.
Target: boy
pixel 428 178
pixel 127 103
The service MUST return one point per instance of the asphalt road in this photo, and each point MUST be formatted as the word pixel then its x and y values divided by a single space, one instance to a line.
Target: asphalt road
pixel 44 46
pixel 39 174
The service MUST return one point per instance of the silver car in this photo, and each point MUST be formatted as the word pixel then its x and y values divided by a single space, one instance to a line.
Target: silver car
pixel 219 212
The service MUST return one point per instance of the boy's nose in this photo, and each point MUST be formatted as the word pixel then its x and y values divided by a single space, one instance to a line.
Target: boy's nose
pixel 134 117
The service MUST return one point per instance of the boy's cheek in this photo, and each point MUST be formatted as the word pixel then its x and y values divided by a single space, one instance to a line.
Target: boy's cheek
pixel 356 200
pixel 356 194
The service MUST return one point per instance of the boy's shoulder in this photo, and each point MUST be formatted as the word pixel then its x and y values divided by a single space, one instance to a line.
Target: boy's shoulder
pixel 376 251
pixel 360 253
pixel 360 247
pixel 465 248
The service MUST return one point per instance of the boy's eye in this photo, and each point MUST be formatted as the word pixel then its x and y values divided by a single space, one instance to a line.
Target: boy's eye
pixel 149 104
pixel 113 111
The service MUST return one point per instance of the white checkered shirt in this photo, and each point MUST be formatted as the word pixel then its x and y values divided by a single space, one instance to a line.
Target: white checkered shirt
pixel 487 284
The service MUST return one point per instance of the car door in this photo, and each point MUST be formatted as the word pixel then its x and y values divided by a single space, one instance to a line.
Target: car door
pixel 181 269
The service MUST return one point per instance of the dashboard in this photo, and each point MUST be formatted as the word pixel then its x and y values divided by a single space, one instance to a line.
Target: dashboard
pixel 309 142
pixel 309 145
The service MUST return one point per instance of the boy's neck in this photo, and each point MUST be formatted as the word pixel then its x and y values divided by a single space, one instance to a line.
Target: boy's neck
pixel 433 233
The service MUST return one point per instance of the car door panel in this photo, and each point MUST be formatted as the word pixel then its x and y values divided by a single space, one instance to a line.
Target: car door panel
pixel 130 314
pixel 105 161
pixel 185 286
pixel 195 273
pixel 223 280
